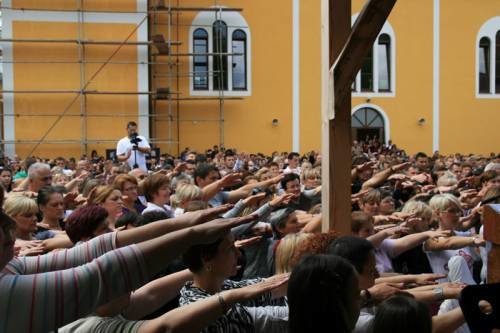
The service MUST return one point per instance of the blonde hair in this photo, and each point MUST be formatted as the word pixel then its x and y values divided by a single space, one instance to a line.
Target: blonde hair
pixel 443 201
pixel 19 204
pixel 184 193
pixel 448 179
pixel 99 194
pixel 421 209
pixel 307 173
pixel 285 250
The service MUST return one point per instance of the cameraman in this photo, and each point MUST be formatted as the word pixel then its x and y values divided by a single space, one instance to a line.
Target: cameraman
pixel 133 148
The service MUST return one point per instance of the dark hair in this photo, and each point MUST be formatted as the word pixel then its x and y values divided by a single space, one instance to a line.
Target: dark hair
pixel 402 314
pixel 356 250
pixel 319 294
pixel 359 219
pixel 292 155
pixel 228 153
pixel 131 124
pixel 420 154
pixel 130 218
pixel 203 170
pixel 289 177
pixel 153 216
pixel 193 258
pixel 44 194
pixel 488 175
pixel 84 221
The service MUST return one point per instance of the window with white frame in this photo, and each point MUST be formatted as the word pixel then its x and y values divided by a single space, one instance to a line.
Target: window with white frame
pixel 377 74
pixel 488 59
pixel 221 61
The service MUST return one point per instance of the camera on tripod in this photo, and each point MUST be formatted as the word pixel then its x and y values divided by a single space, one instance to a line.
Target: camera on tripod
pixel 134 139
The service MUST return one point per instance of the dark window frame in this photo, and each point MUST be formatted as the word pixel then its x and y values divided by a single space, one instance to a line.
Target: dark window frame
pixel 241 38
pixel 220 62
pixel 200 34
pixel 384 40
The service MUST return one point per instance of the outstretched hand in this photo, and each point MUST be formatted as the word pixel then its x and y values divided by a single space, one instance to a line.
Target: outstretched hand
pixel 211 231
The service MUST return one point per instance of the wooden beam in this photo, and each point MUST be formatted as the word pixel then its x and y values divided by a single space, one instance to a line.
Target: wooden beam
pixel 337 134
pixel 347 53
pixel 491 222
pixel 364 33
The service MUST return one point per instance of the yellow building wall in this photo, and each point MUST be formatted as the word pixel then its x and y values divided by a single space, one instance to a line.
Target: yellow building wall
pixel 468 124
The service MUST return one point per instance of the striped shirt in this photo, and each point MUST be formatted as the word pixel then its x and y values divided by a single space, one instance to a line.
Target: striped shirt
pixel 39 294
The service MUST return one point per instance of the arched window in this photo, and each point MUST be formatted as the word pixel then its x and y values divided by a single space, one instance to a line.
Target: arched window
pixel 377 74
pixel 220 61
pixel 367 123
pixel 239 61
pixel 200 62
pixel 497 64
pixel 488 59
pixel 384 62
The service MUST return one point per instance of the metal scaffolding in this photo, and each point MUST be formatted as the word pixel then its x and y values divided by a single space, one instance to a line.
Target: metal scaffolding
pixel 164 20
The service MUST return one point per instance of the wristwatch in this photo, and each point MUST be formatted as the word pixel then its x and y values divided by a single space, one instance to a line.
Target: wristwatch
pixel 366 298
pixel 439 292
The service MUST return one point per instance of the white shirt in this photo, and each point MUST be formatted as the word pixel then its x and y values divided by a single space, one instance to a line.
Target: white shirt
pixel 151 207
pixel 124 145
pixel 297 170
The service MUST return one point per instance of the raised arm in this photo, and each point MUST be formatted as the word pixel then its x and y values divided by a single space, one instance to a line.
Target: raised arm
pixel 380 177
pixel 452 243
pixel 413 240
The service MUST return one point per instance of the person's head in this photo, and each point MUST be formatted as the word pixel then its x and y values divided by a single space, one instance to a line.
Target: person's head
pixel 360 253
pixel 387 204
pixel 216 260
pixel 291 184
pixel 293 160
pixel 6 178
pixel 311 178
pixel 456 169
pixel 490 179
pixel 186 193
pixel 130 220
pixel 138 174
pixel 317 243
pixel 285 250
pixel 447 209
pixel 153 216
pixel 229 159
pixel 127 185
pixel 422 211
pixel 190 168
pixel 284 222
pixel 412 171
pixel 60 162
pixel 205 174
pixel 402 313
pixel 131 128
pixel 466 170
pixel 361 224
pixel 7 239
pixel 274 169
pixel 156 189
pixel 23 210
pixel 191 156
pixel 59 179
pixel 323 292
pixel 83 164
pixel 196 205
pixel 50 203
pixel 370 202
pixel 39 176
pixel 86 223
pixel 109 198
pixel 421 161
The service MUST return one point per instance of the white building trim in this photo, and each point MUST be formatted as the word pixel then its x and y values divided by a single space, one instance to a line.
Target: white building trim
pixel 234 21
pixel 387 123
pixel 489 29
pixel 436 76
pixel 296 77
pixel 72 17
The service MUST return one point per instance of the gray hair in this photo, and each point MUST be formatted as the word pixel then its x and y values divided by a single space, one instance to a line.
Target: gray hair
pixel 35 168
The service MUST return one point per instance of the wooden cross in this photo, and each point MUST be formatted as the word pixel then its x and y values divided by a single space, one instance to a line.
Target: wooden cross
pixel 347 50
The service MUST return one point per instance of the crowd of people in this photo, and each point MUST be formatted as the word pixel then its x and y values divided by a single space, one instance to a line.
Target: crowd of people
pixel 225 241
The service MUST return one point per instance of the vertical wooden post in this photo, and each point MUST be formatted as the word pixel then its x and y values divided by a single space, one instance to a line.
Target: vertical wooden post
pixel 337 139
pixel 491 221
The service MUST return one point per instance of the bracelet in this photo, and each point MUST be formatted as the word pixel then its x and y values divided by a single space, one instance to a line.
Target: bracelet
pixel 439 292
pixel 222 303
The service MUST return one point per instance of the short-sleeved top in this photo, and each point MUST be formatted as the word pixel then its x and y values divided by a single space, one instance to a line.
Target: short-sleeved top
pixel 219 199
pixel 439 259
pixel 383 255
pixel 124 145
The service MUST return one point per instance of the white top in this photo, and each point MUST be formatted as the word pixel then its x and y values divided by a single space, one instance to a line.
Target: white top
pixel 439 259
pixel 151 207
pixel 383 255
pixel 124 146
pixel 297 170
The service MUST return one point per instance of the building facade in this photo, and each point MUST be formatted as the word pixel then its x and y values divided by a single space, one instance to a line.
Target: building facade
pixel 245 74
